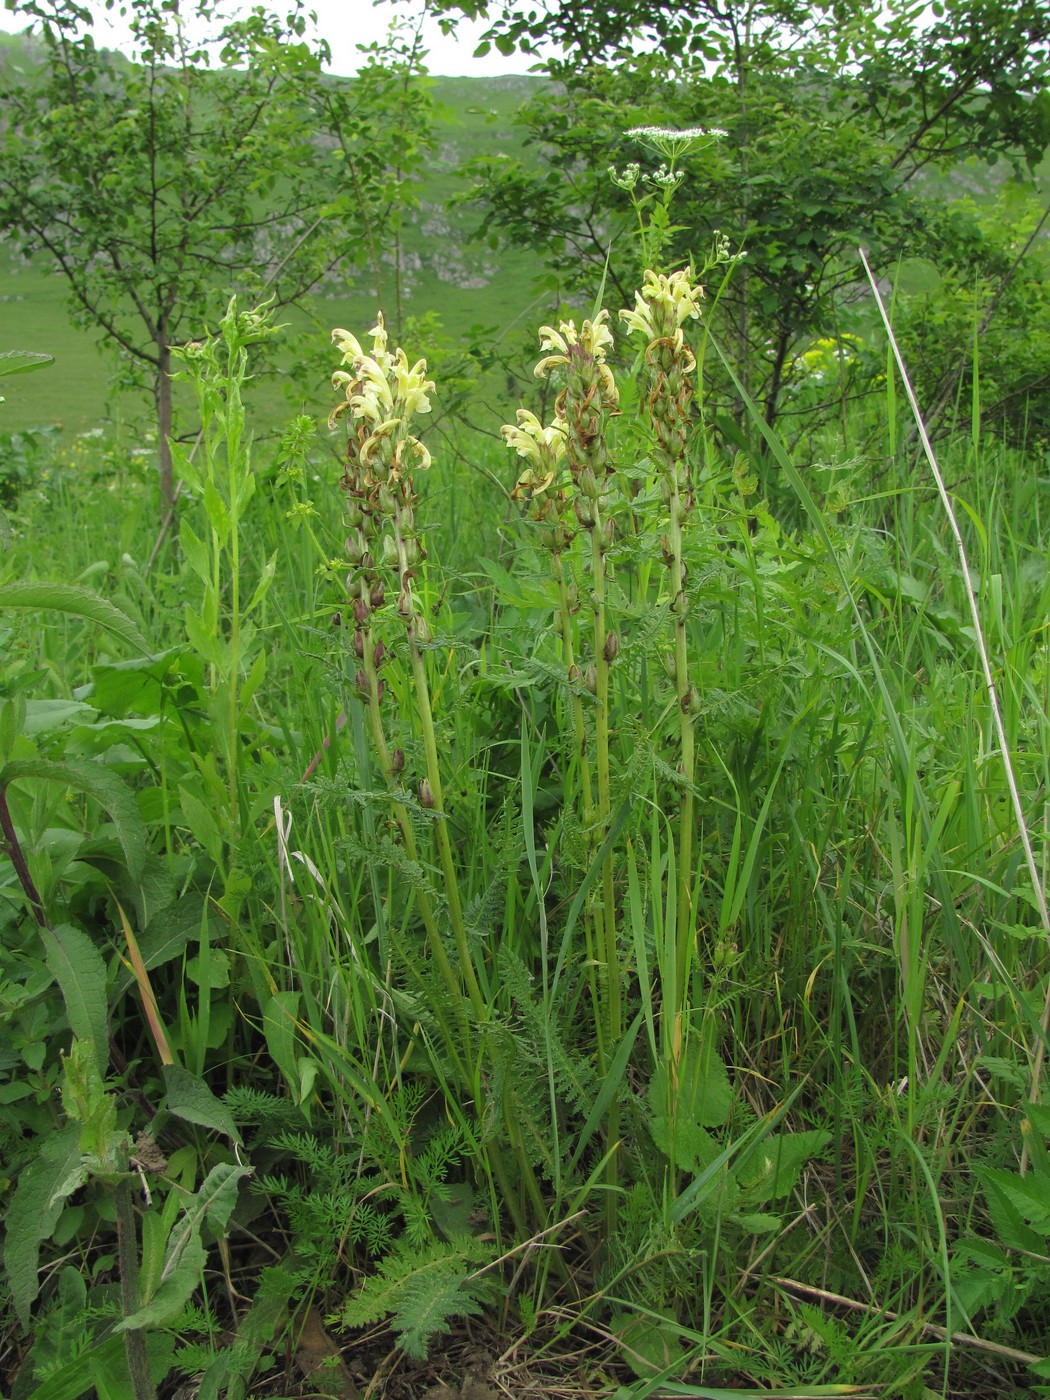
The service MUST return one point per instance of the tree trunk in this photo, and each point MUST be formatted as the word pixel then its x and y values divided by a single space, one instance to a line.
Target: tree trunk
pixel 162 400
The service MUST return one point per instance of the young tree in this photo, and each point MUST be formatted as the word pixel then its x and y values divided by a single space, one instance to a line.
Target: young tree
pixel 831 112
pixel 204 167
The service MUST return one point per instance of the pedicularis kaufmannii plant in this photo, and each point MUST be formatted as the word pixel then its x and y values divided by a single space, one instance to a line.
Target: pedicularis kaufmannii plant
pixel 608 493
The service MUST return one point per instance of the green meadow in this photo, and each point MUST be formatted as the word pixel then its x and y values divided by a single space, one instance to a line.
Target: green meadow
pixel 536 887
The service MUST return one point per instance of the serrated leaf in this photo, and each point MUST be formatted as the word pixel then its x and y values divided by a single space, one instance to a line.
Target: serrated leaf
pixel 81 975
pixel 98 782
pixel 774 1168
pixel 421 1293
pixel 34 1210
pixel 77 602
pixel 189 1098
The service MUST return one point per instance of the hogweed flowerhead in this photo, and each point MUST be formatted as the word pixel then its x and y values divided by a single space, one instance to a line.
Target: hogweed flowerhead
pixel 674 144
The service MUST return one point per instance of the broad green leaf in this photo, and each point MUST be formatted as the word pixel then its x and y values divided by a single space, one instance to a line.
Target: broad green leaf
pixel 78 1377
pixel 34 1210
pixel 165 937
pixel 203 639
pixel 263 586
pixel 81 975
pixel 189 1098
pixel 1028 1196
pixel 181 1277
pixel 99 783
pixel 195 551
pixel 23 361
pixel 186 1255
pixel 201 822
pixel 650 1345
pixel 279 1026
pixel 772 1171
pixel 77 602
pixel 45 716
pixel 218 515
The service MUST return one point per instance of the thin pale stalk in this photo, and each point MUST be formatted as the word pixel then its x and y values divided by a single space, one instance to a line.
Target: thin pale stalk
pixel 1038 1049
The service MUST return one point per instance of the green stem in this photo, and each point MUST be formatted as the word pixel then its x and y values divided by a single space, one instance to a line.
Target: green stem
pixel 684 921
pixel 444 844
pixel 613 1030
pixel 593 924
pixel 127 1258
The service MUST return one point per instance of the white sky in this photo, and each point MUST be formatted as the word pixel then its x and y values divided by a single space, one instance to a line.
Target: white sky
pixel 345 24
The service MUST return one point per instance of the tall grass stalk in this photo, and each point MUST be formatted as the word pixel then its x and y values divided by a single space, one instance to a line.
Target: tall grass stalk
pixel 1039 1046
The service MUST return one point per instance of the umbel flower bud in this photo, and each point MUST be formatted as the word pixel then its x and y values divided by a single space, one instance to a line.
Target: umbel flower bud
pixel 426 793
pixel 397 760
pixel 612 647
pixel 590 680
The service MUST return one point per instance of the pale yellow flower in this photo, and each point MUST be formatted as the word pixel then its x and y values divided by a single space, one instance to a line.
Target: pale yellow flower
pixel 545 446
pixel 412 384
pixel 593 338
pixel 664 303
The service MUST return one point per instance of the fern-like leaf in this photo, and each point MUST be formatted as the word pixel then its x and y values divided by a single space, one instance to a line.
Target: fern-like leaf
pixel 422 1291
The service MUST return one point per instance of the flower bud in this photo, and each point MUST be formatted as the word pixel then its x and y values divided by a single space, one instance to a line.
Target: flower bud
pixel 670 666
pixel 381 690
pixel 575 676
pixel 612 647
pixel 379 655
pixel 397 760
pixel 572 594
pixel 336 619
pixel 426 793
pixel 360 609
pixel 361 681
pixel 590 680
pixel 404 605
pixel 419 629
pixel 584 512
pixel 587 482
pixel 376 594
pixel 690 701
pixel 359 643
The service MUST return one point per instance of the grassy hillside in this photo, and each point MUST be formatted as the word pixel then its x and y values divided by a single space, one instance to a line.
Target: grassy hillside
pixel 443 275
